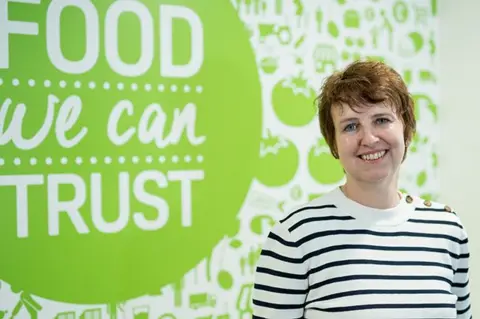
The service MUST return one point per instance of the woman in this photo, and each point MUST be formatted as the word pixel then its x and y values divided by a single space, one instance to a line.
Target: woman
pixel 365 250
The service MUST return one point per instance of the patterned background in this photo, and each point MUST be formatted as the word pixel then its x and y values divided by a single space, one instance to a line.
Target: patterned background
pixel 296 43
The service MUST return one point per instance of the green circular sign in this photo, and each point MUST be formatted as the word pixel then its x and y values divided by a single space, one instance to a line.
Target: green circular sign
pixel 128 143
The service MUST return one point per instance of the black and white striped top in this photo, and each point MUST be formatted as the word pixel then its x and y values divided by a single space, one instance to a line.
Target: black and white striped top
pixel 335 258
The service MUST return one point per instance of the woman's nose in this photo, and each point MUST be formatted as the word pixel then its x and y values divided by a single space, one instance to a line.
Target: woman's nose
pixel 369 137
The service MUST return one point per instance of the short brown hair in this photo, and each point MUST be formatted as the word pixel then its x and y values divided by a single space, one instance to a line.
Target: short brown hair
pixel 364 83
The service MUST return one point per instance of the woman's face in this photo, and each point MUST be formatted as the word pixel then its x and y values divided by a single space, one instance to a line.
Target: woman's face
pixel 370 144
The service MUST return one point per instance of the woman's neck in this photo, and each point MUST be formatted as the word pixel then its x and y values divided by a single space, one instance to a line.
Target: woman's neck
pixel 375 195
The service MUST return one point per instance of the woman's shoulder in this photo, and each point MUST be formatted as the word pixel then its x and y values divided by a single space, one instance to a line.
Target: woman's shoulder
pixel 426 204
pixel 318 209
pixel 433 211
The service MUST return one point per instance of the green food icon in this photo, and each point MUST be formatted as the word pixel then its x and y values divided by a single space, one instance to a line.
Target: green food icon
pixel 261 224
pixel 407 76
pixel 323 167
pixel 225 279
pixel 333 29
pixel 292 101
pixel 421 178
pixel 427 76
pixel 400 11
pixel 325 58
pixel 319 19
pixel 412 44
pixel 432 45
pixel 434 160
pixel 279 160
pixel 418 142
pixel 351 19
pixel 417 40
pixel 370 14
pixel 236 243
pixel 269 65
pixel 280 32
pixel 423 101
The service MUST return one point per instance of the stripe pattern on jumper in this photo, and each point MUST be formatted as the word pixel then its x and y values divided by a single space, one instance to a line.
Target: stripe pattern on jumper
pixel 320 262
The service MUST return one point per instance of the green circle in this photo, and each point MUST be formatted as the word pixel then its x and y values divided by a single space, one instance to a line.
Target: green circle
pixel 225 280
pixel 88 262
pixel 348 41
pixel 292 101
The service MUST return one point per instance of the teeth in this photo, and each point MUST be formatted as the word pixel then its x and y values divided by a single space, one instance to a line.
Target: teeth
pixel 374 156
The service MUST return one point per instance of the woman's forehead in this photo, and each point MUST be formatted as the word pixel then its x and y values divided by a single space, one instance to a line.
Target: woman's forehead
pixel 343 109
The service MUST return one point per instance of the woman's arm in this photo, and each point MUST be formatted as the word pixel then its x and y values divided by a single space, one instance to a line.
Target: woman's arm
pixel 281 283
pixel 461 283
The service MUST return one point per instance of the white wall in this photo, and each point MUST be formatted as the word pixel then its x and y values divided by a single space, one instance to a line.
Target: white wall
pixel 459 158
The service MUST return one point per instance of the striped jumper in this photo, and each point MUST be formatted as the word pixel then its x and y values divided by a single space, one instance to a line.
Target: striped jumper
pixel 335 258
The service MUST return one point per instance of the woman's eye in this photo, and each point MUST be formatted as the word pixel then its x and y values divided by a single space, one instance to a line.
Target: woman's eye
pixel 383 120
pixel 350 127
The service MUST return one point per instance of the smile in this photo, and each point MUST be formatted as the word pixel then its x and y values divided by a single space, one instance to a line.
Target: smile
pixel 373 156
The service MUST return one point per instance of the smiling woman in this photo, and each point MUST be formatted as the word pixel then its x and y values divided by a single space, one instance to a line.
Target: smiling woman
pixel 365 250
pixel 370 146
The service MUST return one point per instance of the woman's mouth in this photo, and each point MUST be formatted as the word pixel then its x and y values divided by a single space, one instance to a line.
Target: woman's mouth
pixel 373 156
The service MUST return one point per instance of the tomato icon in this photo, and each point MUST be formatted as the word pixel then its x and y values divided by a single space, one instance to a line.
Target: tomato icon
pixel 293 101
pixel 279 161
pixel 323 167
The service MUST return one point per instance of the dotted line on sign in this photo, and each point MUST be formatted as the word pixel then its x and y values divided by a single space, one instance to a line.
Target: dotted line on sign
pixel 120 86
pixel 78 160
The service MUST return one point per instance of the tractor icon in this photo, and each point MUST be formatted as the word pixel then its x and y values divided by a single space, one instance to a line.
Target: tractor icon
pixel 282 33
